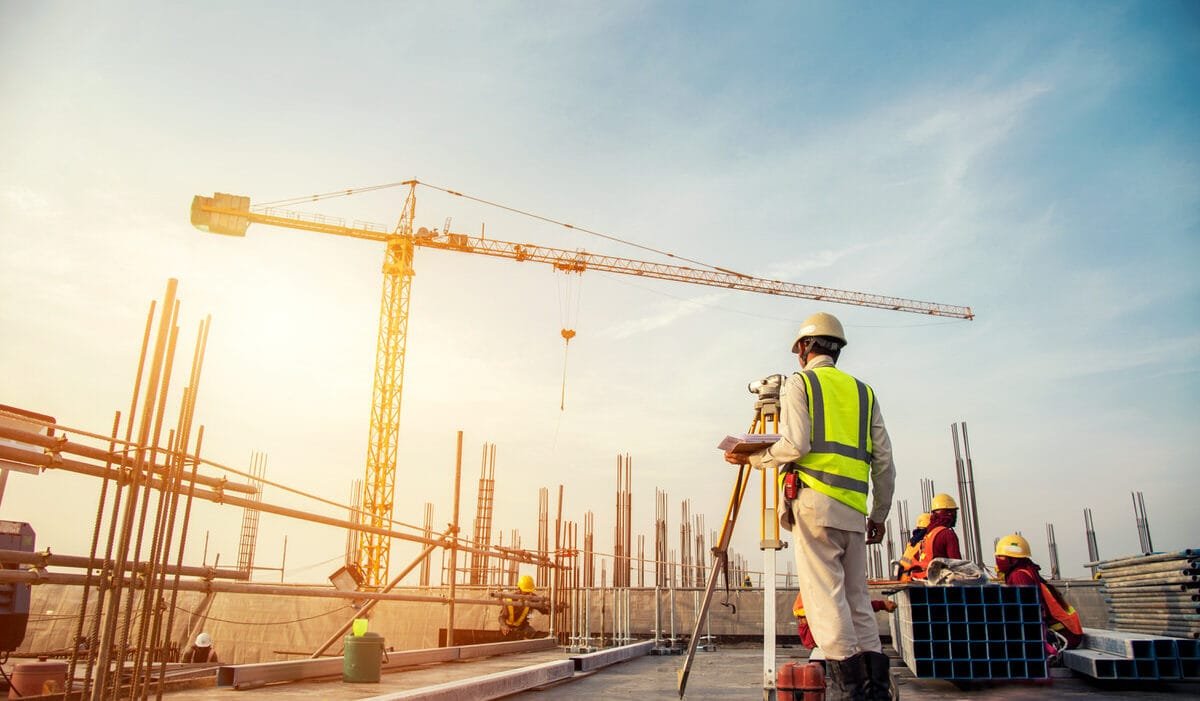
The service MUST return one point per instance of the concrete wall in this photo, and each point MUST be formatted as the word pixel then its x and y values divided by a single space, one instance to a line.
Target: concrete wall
pixel 258 628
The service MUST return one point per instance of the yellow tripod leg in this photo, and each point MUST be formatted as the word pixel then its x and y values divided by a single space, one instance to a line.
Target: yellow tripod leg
pixel 720 563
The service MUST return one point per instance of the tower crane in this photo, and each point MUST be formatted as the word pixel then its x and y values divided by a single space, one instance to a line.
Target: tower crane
pixel 231 215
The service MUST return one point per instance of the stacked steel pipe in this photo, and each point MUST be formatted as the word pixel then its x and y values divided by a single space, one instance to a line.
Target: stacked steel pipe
pixel 1157 594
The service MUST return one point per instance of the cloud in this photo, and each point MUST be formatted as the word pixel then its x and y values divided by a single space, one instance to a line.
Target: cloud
pixel 667 314
pixel 28 202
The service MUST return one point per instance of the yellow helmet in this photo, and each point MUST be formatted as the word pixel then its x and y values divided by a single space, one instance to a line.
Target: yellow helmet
pixel 923 521
pixel 942 501
pixel 525 584
pixel 819 324
pixel 1012 546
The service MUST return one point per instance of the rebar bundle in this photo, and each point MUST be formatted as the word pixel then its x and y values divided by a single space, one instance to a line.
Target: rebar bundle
pixel 482 526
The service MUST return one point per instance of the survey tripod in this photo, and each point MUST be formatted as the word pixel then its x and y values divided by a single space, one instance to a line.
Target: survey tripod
pixel 766 414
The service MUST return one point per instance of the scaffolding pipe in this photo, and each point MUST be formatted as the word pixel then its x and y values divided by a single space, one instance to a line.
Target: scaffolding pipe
pixel 55 446
pixel 34 577
pixel 43 559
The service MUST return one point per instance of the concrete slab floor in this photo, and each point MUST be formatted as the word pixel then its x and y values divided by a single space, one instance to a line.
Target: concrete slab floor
pixel 735 672
pixel 732 672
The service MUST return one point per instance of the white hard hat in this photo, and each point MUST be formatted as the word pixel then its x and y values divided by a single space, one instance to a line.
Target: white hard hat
pixel 819 324
pixel 204 640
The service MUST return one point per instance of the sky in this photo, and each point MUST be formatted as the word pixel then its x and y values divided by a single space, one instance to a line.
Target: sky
pixel 1037 162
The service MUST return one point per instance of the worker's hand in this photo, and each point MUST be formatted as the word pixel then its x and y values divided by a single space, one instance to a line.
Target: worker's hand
pixel 737 458
pixel 875 532
pixel 889 605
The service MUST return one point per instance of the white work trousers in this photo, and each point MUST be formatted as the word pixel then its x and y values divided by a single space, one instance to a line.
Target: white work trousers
pixel 832 568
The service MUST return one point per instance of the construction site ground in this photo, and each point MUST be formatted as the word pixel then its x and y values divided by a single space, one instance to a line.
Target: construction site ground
pixel 731 672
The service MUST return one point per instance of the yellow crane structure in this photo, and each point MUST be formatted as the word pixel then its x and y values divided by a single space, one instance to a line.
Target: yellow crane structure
pixel 232 214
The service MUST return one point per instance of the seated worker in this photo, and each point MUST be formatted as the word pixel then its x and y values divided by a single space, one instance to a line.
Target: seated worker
pixel 912 551
pixel 1016 569
pixel 514 615
pixel 940 540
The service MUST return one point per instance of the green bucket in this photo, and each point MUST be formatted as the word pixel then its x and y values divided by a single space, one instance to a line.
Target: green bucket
pixel 362 657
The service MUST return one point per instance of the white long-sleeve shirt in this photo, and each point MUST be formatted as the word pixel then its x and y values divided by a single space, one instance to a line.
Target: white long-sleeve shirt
pixel 795 428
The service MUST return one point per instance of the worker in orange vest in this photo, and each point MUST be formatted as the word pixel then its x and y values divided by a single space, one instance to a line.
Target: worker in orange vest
pixel 940 540
pixel 913 550
pixel 1016 569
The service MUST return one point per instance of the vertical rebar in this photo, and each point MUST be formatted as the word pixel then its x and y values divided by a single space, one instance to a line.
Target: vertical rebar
pixel 122 541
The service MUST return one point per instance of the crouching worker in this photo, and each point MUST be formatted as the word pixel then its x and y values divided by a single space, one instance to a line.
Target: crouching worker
pixel 202 650
pixel 517 609
pixel 805 633
pixel 1064 631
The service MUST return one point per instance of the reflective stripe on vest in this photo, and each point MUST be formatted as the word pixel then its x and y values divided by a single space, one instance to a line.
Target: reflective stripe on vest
pixel 839 461
pixel 514 619
pixel 1063 613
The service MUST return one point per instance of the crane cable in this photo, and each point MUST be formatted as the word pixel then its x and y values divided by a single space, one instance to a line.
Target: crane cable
pixel 609 237
pixel 327 195
pixel 568 317
pixel 373 188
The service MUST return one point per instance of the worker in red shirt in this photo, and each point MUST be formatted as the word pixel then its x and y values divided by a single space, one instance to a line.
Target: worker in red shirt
pixel 1016 569
pixel 940 540
pixel 805 633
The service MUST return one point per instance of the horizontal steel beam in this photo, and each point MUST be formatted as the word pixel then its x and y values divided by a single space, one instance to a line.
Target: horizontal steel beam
pixel 247 676
pixel 1129 645
pixel 488 686
pixel 467 652
pixel 604 658
pixel 1099 665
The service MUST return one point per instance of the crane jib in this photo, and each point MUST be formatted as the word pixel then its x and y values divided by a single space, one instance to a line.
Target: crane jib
pixel 561 259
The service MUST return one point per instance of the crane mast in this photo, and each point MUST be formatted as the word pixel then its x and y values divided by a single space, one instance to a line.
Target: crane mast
pixel 231 215
pixel 379 484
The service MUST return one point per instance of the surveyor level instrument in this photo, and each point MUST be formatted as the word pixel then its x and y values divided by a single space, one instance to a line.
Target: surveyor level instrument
pixel 766 414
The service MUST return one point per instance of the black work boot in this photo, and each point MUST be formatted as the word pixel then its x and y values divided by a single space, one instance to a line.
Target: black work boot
pixel 846 679
pixel 879 678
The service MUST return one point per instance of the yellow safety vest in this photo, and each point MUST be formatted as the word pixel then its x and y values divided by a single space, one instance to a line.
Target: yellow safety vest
pixel 839 462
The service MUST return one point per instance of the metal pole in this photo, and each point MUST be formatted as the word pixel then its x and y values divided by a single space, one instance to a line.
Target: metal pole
pixel 1146 522
pixel 1054 573
pixel 454 542
pixel 963 499
pixel 971 494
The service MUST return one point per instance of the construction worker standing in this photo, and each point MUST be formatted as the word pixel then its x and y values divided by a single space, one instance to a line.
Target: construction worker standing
pixel 1016 569
pixel 940 539
pixel 835 446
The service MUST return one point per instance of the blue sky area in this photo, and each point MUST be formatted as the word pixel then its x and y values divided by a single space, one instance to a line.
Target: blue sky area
pixel 1038 162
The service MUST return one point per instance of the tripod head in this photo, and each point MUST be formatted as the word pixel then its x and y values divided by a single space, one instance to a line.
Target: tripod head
pixel 767 390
